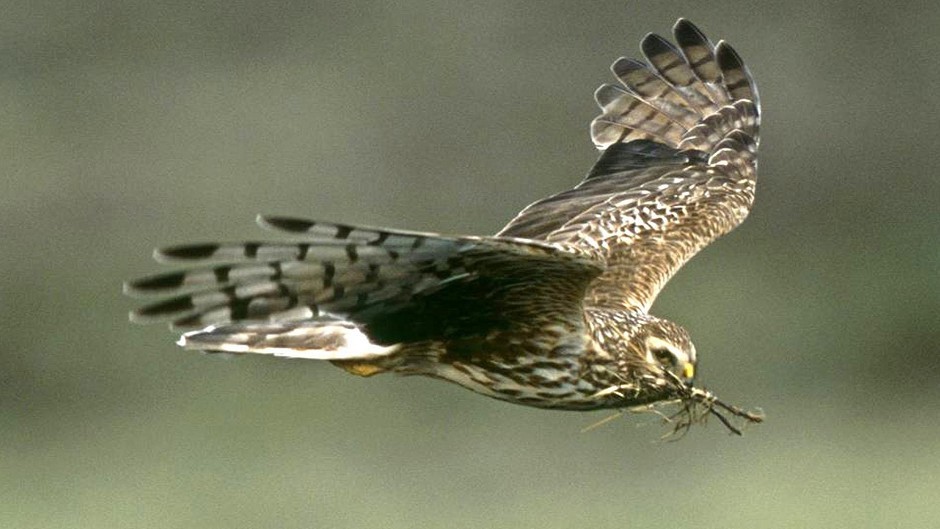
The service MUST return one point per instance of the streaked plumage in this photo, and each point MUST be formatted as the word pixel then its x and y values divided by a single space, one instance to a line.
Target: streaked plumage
pixel 552 311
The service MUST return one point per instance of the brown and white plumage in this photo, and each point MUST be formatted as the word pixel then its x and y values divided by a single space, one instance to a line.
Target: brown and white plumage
pixel 552 311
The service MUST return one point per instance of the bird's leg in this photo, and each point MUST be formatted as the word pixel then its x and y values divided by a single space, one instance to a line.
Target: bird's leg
pixel 359 367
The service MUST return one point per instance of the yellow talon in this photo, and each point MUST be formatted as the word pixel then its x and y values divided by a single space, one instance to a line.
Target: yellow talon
pixel 362 369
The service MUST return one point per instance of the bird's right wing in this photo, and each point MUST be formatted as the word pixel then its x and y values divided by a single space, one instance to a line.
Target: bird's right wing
pixel 678 170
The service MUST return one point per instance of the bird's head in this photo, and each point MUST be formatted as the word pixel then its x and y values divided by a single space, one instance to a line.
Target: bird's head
pixel 668 346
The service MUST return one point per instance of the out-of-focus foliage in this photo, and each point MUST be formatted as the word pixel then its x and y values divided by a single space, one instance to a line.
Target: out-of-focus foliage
pixel 125 125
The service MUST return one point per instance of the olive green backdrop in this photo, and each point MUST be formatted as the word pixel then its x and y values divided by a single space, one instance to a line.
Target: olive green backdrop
pixel 127 125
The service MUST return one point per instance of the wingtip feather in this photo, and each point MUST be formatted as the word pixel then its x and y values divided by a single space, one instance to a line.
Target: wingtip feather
pixel 687 32
pixel 185 252
pixel 288 224
pixel 154 284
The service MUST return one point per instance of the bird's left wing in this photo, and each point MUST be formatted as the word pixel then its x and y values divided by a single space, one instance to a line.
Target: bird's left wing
pixel 680 138
pixel 357 291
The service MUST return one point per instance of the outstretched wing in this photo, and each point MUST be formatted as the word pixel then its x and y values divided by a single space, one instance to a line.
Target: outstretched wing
pixel 366 288
pixel 680 136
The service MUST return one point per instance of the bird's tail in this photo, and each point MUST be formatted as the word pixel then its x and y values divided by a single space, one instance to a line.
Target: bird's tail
pixel 692 96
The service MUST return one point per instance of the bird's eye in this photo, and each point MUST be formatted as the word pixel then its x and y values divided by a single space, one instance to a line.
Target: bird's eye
pixel 666 358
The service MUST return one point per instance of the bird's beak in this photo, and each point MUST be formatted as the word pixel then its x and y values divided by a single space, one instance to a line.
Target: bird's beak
pixel 688 371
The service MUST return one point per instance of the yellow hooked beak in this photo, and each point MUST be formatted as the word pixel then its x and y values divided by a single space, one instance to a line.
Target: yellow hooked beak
pixel 688 371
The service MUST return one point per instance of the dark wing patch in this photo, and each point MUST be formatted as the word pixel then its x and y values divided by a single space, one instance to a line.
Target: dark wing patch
pixel 505 292
pixel 622 166
pixel 625 158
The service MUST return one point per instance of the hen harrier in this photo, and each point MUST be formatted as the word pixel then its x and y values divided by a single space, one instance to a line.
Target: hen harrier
pixel 550 312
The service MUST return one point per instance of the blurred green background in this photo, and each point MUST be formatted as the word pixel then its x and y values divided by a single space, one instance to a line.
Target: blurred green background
pixel 128 125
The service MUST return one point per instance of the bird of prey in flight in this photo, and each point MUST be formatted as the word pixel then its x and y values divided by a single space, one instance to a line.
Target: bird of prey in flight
pixel 552 311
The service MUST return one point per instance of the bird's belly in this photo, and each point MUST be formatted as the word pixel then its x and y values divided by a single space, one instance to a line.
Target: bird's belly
pixel 555 383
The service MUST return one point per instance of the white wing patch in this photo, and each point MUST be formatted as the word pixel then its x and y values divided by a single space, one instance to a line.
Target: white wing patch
pixel 314 340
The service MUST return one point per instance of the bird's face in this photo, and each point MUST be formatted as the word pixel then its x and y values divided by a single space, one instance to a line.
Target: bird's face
pixel 668 346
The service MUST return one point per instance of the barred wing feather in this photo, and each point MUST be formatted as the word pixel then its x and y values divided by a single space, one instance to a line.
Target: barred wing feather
pixel 354 292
